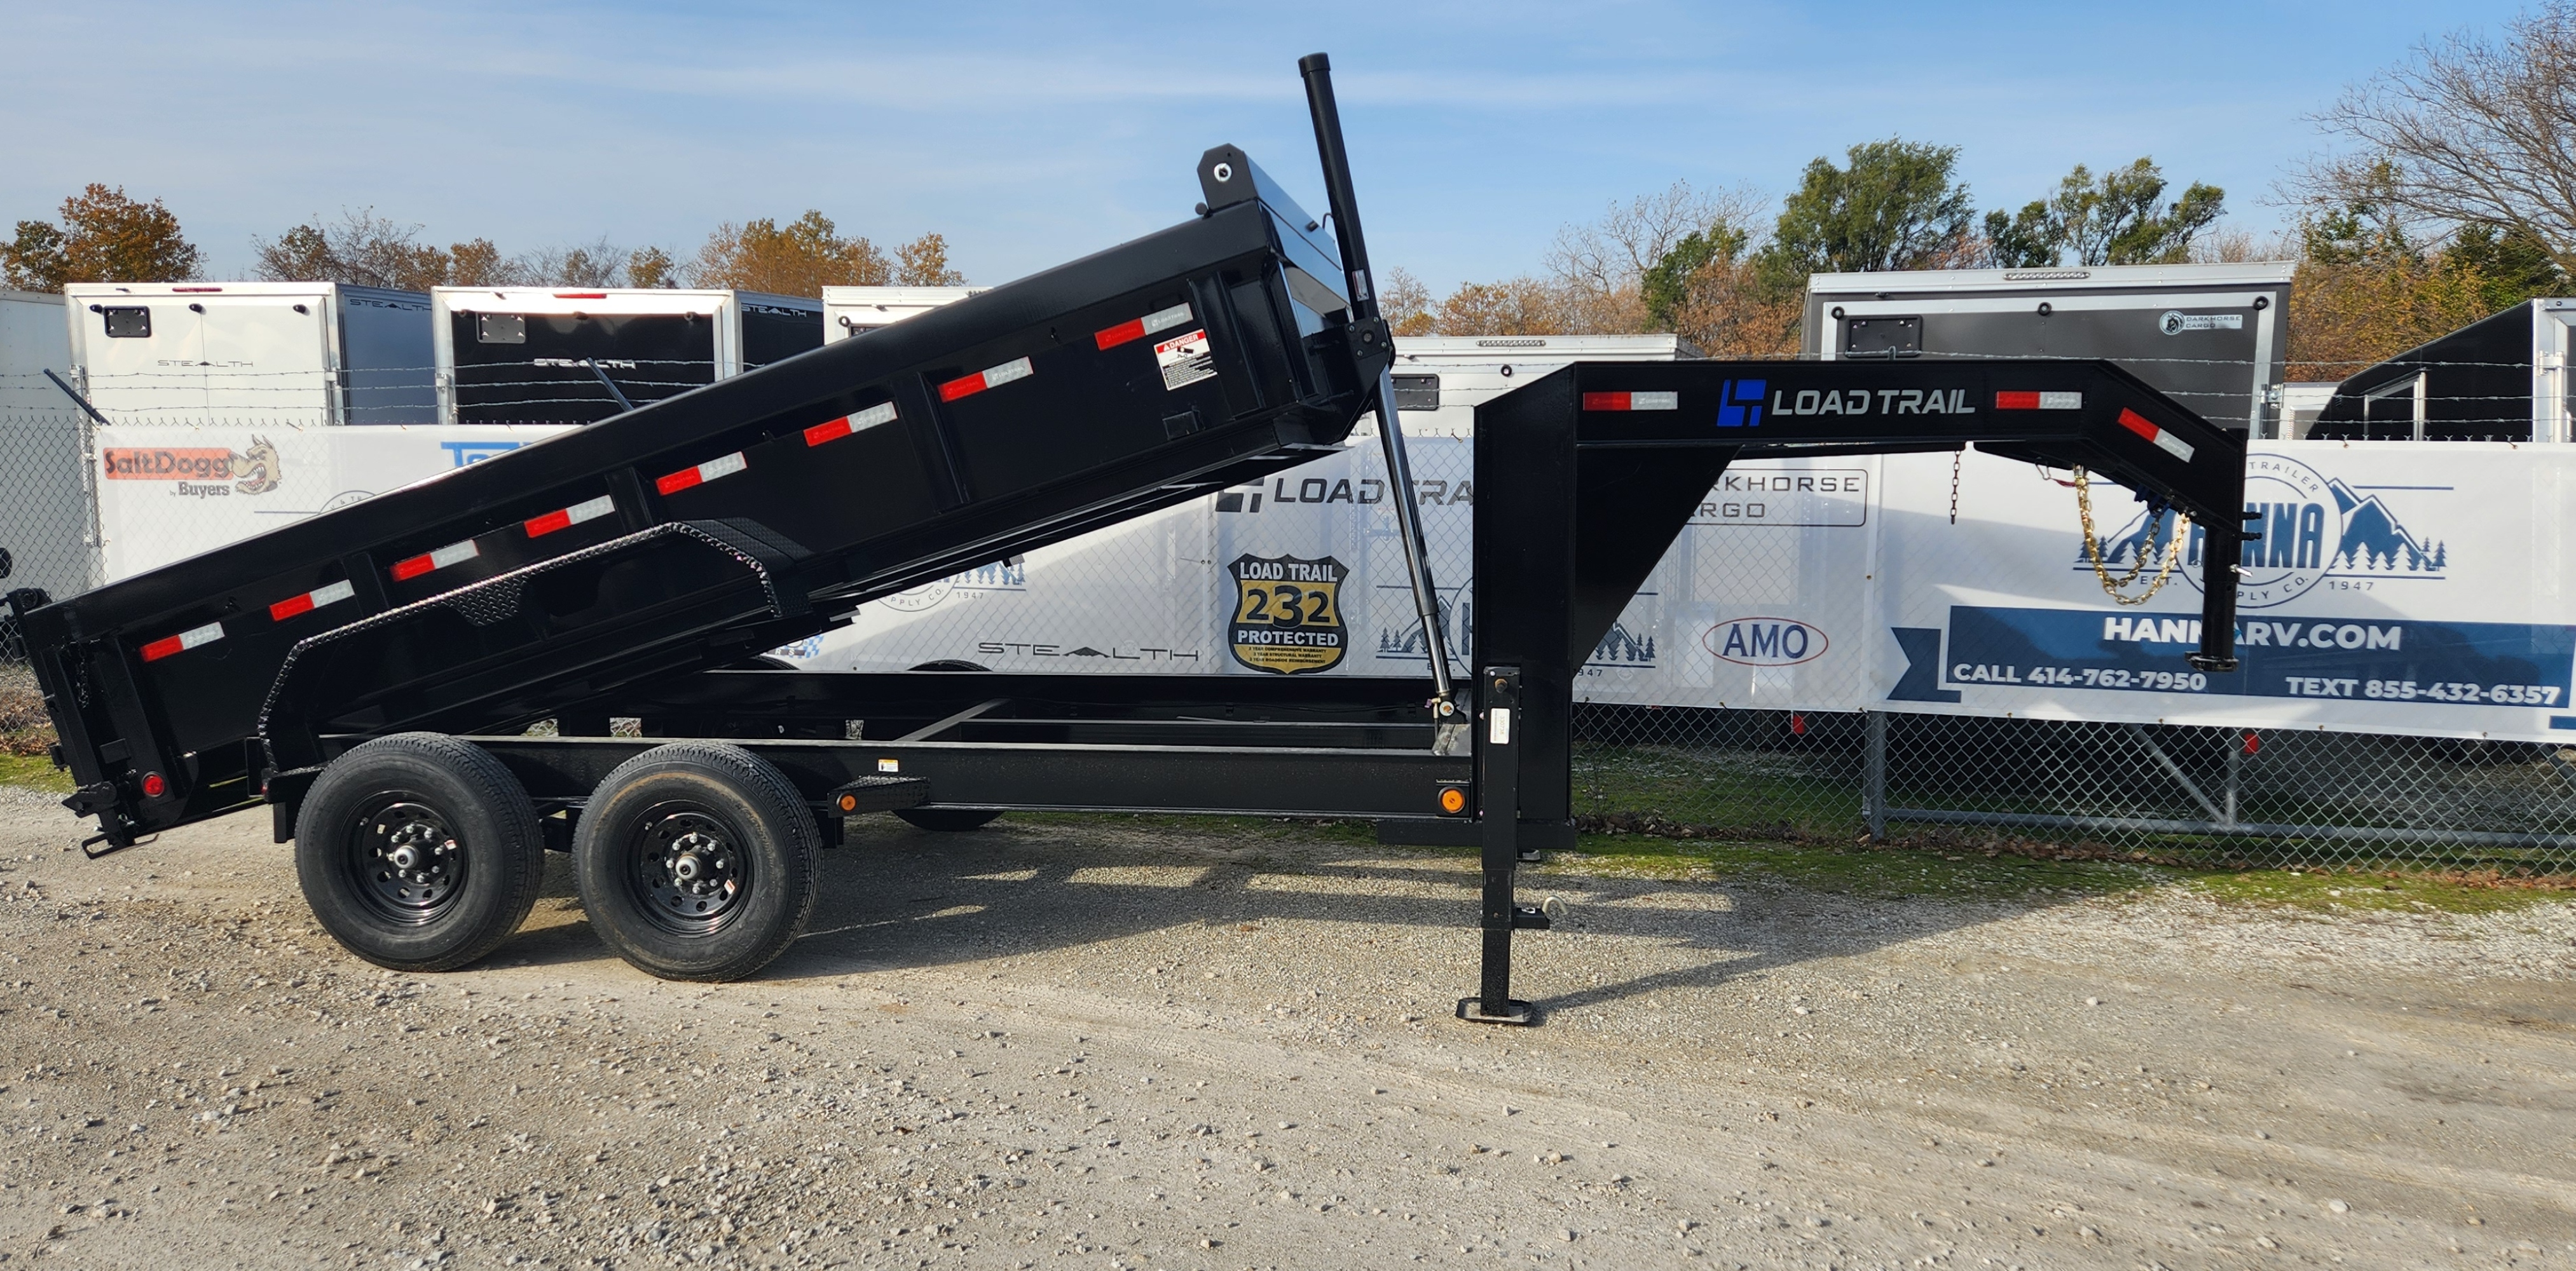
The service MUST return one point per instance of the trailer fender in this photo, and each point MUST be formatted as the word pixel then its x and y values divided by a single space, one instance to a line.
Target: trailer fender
pixel 675 583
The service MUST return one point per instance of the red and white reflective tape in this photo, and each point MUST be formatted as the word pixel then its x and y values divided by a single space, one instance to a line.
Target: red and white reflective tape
pixel 1632 401
pixel 184 641
pixel 2039 401
pixel 2165 441
pixel 1017 368
pixel 452 554
pixel 1139 328
pixel 310 601
pixel 566 518
pixel 702 474
pixel 834 430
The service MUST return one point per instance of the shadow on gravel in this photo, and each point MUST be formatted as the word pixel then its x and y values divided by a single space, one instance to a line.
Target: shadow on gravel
pixel 899 898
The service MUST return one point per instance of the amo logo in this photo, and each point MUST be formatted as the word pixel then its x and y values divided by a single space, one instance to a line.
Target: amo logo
pixel 1765 641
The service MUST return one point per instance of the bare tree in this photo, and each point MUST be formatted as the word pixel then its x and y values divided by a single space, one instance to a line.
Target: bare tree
pixel 2470 131
pixel 1612 253
pixel 361 248
pixel 598 263
pixel 1405 303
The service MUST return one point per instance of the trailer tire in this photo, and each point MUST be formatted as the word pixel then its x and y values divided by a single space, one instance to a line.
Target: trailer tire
pixel 419 852
pixel 697 861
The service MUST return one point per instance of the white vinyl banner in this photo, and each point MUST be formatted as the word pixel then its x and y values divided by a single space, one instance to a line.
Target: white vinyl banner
pixel 2398 588
pixel 167 493
pixel 1763 602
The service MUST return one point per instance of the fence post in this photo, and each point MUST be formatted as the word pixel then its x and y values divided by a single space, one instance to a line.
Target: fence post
pixel 1873 775
pixel 2235 774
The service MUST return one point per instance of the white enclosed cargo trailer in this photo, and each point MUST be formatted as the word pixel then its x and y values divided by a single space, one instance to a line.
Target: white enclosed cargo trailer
pixel 296 353
pixel 2211 336
pixel 849 311
pixel 546 355
pixel 1446 377
pixel 45 527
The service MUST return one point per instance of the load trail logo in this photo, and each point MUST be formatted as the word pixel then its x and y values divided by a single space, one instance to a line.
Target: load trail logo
pixel 198 471
pixel 1288 614
pixel 2313 527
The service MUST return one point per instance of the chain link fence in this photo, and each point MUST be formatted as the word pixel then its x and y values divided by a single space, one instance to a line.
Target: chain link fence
pixel 2218 796
pixel 47 541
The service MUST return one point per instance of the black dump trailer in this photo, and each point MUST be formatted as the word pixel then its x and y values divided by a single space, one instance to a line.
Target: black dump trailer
pixel 371 674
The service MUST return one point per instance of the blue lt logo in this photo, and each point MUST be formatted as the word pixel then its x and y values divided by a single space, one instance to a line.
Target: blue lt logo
pixel 1740 404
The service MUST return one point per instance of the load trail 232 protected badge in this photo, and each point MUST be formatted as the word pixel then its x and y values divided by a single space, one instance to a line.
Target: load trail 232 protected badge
pixel 1288 614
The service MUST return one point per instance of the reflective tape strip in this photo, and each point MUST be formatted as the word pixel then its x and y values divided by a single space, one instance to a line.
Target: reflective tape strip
pixel 310 601
pixel 185 640
pixel 2039 401
pixel 2165 441
pixel 834 430
pixel 700 475
pixel 1138 329
pixel 1017 368
pixel 1632 401
pixel 566 518
pixel 405 570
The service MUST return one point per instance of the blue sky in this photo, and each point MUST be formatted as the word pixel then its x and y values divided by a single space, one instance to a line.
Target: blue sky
pixel 1030 134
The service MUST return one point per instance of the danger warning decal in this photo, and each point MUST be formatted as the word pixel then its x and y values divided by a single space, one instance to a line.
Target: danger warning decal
pixel 1185 359
pixel 1288 614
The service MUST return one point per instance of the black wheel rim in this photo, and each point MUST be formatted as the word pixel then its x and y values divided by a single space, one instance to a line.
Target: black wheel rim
pixel 687 870
pixel 405 860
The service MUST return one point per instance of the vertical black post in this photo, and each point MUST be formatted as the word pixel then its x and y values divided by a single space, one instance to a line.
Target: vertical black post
pixel 1873 776
pixel 2221 543
pixel 1498 790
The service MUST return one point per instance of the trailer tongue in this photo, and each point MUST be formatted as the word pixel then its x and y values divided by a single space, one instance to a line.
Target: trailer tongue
pixel 370 673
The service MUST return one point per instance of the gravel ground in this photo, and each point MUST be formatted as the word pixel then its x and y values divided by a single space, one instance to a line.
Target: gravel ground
pixel 1113 1046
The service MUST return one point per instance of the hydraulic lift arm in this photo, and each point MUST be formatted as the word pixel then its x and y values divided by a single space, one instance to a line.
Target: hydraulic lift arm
pixel 1369 329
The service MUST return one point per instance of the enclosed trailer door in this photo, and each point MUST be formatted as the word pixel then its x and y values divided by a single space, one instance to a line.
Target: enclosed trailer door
pixel 268 359
pixel 386 360
pixel 528 368
pixel 774 332
pixel 144 358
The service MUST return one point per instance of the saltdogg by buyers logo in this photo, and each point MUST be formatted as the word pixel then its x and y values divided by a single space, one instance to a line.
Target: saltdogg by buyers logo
pixel 2313 527
pixel 198 470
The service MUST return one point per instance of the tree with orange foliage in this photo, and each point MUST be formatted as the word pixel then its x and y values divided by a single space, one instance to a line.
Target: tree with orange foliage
pixel 800 258
pixel 923 262
pixel 104 237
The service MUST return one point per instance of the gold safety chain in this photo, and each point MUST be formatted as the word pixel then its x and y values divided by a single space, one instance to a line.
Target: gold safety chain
pixel 2093 549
